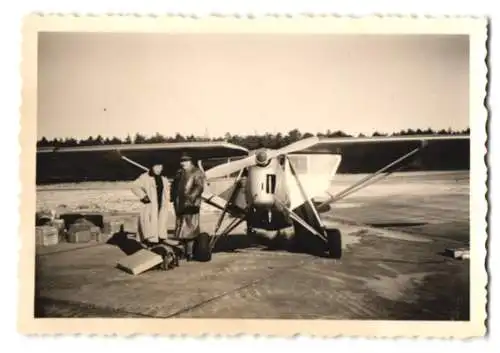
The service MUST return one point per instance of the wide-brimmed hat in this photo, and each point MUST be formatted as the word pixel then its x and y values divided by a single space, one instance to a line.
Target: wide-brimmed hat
pixel 185 157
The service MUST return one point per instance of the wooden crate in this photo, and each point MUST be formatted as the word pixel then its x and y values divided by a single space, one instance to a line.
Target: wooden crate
pixel 81 236
pixel 112 226
pixel 95 233
pixel 102 237
pixel 131 225
pixel 46 235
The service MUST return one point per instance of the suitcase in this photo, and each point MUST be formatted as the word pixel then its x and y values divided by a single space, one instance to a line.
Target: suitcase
pixel 131 225
pixel 102 237
pixel 82 231
pixel 81 236
pixel 95 233
pixel 47 235
pixel 140 262
pixel 112 227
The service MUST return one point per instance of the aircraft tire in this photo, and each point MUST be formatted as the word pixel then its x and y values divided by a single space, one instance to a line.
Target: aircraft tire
pixel 201 249
pixel 334 243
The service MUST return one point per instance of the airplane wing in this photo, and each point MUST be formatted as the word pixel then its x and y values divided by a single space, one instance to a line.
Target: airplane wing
pixel 106 162
pixel 366 155
pixel 380 139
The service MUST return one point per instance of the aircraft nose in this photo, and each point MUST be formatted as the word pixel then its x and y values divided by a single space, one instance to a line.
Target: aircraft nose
pixel 261 157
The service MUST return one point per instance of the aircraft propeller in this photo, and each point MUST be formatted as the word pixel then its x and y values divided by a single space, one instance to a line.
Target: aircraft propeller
pixel 260 158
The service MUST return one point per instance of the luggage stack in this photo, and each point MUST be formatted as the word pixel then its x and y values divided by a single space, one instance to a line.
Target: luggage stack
pixel 52 229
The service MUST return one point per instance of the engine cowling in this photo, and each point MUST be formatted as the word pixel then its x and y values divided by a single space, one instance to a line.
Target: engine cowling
pixel 261 158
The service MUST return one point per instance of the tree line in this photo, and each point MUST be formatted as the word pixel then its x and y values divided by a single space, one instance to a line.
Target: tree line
pixel 267 140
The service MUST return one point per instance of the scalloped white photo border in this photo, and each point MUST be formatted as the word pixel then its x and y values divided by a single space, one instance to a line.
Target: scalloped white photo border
pixel 475 27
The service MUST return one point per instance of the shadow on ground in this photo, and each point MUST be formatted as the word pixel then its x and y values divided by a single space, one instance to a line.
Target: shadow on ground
pixel 397 224
pixel 125 242
pixel 129 245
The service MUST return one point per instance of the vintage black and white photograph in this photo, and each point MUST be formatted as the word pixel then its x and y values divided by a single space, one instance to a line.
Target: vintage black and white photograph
pixel 268 175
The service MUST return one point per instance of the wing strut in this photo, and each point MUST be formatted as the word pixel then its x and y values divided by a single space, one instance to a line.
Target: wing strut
pixel 230 200
pixel 131 161
pixel 299 220
pixel 364 182
pixel 234 223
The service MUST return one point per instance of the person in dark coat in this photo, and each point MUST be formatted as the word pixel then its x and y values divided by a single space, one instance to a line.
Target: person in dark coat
pixel 186 190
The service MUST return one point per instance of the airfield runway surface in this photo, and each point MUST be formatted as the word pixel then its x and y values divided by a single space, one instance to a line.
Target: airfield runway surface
pixel 393 266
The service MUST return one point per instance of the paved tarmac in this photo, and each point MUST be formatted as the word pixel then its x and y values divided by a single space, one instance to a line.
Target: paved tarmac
pixel 394 269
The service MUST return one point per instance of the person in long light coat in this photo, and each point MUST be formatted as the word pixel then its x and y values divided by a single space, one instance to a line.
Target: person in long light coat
pixel 152 188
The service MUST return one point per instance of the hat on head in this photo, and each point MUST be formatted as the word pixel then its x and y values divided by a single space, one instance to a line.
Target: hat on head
pixel 156 160
pixel 185 157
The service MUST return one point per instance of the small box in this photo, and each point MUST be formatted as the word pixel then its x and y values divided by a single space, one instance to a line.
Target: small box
pixel 140 261
pixel 95 232
pixel 112 227
pixel 131 225
pixel 81 236
pixel 59 224
pixel 46 235
pixel 102 237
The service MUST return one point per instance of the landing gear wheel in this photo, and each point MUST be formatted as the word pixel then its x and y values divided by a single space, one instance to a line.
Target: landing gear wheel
pixel 334 243
pixel 202 251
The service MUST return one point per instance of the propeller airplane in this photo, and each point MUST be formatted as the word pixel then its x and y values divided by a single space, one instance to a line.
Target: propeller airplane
pixel 274 189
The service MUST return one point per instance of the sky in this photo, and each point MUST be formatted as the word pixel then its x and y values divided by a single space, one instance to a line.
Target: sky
pixel 114 84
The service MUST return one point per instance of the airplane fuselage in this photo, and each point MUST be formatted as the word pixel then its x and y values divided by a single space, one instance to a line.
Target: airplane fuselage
pixel 266 192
